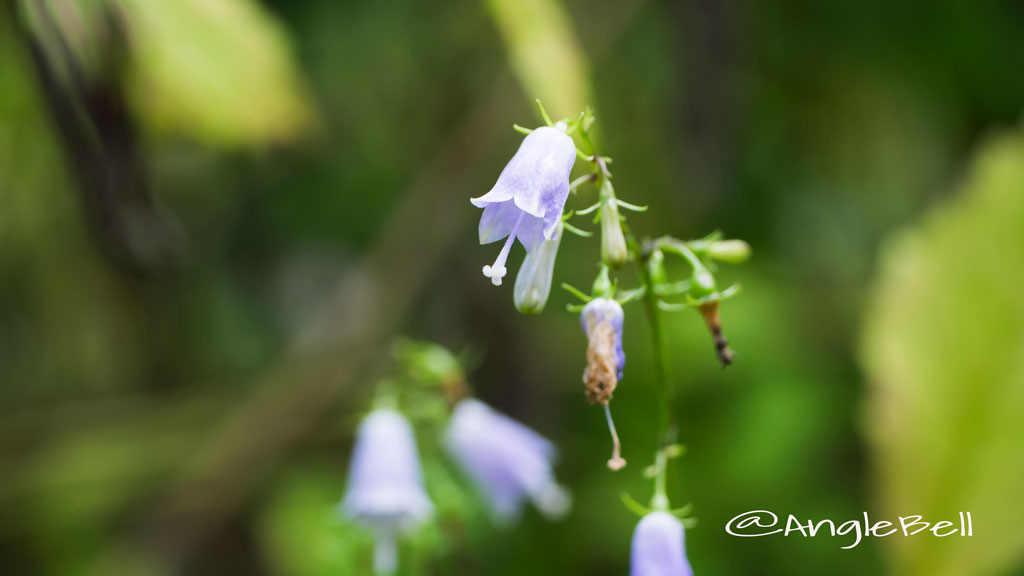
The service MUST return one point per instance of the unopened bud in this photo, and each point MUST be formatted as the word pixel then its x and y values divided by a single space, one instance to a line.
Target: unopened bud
pixel 533 283
pixel 702 283
pixel 613 242
pixel 656 268
pixel 732 251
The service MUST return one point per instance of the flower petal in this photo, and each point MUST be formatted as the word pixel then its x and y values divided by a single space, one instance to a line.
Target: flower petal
pixel 531 232
pixel 507 461
pixel 659 547
pixel 499 193
pixel 385 485
pixel 497 221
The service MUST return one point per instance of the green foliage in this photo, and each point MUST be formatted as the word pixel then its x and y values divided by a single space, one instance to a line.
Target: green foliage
pixel 220 71
pixel 302 532
pixel 943 350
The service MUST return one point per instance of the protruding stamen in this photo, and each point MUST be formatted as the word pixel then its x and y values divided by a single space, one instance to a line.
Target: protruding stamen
pixel 617 462
pixel 497 270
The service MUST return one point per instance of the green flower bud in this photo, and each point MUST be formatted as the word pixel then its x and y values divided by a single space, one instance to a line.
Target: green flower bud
pixel 602 287
pixel 656 268
pixel 533 283
pixel 702 283
pixel 613 242
pixel 732 251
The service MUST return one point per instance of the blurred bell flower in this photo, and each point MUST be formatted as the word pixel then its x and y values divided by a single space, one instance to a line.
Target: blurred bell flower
pixel 527 200
pixel 533 283
pixel 385 485
pixel 659 547
pixel 507 461
pixel 602 321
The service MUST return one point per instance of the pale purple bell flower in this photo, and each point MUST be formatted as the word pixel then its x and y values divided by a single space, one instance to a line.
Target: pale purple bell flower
pixel 659 547
pixel 507 461
pixel 385 485
pixel 527 200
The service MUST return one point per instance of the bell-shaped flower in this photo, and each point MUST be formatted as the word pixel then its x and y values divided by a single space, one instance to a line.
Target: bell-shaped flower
pixel 659 547
pixel 533 283
pixel 602 323
pixel 507 461
pixel 527 200
pixel 385 485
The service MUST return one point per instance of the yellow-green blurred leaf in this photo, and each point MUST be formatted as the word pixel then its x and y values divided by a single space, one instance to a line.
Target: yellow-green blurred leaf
pixel 943 348
pixel 544 53
pixel 220 71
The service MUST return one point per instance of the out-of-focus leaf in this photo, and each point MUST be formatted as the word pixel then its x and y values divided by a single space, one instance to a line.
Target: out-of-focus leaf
pixel 220 71
pixel 944 350
pixel 303 532
pixel 545 53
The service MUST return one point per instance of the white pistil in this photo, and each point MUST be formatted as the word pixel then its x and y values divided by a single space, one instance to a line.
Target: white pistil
pixel 497 270
pixel 385 553
pixel 617 462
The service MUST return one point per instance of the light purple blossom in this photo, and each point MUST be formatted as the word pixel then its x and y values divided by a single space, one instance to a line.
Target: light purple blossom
pixel 659 547
pixel 508 462
pixel 385 484
pixel 527 200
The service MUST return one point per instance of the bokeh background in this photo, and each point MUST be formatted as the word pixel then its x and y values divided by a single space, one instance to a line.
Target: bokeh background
pixel 216 215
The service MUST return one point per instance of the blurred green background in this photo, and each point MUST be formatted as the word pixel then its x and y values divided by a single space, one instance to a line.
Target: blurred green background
pixel 215 215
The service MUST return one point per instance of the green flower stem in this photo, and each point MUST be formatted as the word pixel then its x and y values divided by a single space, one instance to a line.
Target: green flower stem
pixel 602 178
pixel 669 244
pixel 655 321
pixel 660 499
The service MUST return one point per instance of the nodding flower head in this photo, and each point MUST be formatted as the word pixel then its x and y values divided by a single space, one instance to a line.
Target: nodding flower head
pixel 527 200
pixel 659 547
pixel 508 462
pixel 602 323
pixel 385 485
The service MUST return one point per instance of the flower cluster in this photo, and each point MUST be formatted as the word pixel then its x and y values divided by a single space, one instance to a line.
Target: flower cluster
pixel 528 203
pixel 507 462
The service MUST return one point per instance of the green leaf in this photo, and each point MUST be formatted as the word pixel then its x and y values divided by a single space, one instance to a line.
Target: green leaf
pixel 544 53
pixel 943 348
pixel 302 531
pixel 220 71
